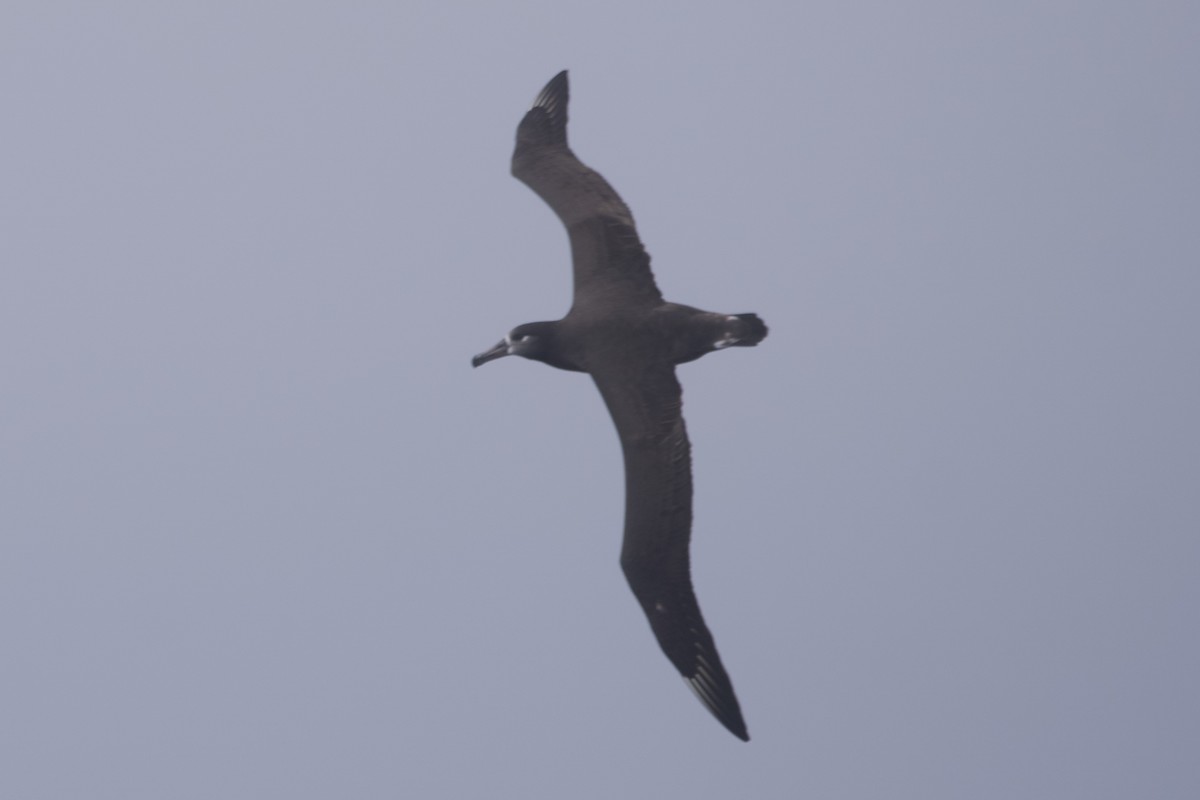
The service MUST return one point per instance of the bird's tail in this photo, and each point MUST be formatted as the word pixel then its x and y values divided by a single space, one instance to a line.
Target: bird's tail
pixel 747 331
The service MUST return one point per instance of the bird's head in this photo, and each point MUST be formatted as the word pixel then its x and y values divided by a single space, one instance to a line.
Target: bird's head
pixel 531 340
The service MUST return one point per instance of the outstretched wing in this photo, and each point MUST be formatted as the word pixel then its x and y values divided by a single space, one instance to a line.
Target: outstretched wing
pixel 609 258
pixel 648 414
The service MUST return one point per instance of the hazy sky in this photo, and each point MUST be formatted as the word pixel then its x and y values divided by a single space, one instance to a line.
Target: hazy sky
pixel 264 533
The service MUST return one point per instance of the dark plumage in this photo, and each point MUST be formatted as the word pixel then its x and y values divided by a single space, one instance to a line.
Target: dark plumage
pixel 620 331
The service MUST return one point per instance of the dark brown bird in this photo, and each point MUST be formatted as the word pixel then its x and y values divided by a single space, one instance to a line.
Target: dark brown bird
pixel 620 331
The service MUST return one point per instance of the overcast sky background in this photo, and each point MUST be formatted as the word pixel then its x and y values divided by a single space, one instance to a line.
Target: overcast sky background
pixel 265 533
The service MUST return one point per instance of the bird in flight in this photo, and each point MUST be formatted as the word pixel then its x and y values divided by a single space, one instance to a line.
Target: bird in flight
pixel 621 332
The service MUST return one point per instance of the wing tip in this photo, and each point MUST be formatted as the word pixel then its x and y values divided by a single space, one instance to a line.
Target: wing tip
pixel 728 716
pixel 545 123
pixel 715 692
pixel 556 91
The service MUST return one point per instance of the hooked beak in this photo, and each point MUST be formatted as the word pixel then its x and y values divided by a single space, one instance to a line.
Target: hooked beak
pixel 499 351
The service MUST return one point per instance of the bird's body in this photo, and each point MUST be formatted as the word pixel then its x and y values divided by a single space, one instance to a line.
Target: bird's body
pixel 620 331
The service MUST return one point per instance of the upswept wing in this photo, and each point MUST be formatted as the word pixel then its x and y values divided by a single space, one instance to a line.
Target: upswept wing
pixel 609 259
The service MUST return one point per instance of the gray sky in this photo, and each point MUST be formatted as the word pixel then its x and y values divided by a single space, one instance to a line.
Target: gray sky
pixel 265 533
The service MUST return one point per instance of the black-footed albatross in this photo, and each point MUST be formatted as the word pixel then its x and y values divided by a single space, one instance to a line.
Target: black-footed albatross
pixel 620 331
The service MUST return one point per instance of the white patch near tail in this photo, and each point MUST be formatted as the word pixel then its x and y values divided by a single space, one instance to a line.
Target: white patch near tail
pixel 727 339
